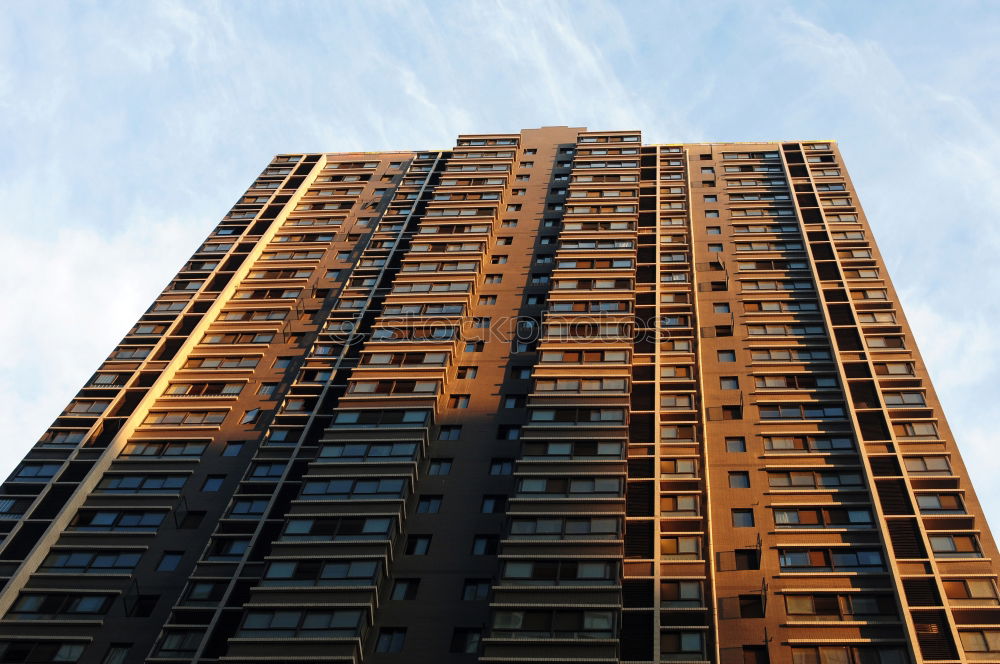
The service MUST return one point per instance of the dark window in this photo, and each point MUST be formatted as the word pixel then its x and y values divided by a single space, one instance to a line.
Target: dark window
pixel 429 505
pixel 390 639
pixel 494 504
pixel 501 466
pixel 213 483
pixel 439 467
pixel 169 561
pixel 141 606
pixel 405 589
pixel 747 559
pixel 751 606
pixel 465 640
pixel 116 653
pixel 484 545
pixel 476 589
pixel 739 479
pixel 418 545
pixel 736 444
pixel 743 518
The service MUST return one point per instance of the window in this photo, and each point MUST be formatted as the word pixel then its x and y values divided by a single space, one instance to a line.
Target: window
pixel 390 639
pixel 418 545
pixel 501 467
pixel 849 655
pixel 40 652
pixel 739 479
pixel 555 573
pixel 405 589
pixel 955 546
pixel 141 483
pixel 736 444
pixel 465 640
pixel 916 430
pixel 742 518
pixel 498 260
pixel 494 504
pixel 927 465
pixel 681 548
pixel 484 545
pixel 721 308
pixel 429 505
pixel 801 411
pixel 322 573
pixel 707 170
pixel 747 559
pixel 450 432
pixel 467 372
pixel 831 560
pixel 116 654
pixel 439 467
pixel 729 383
pixel 313 623
pixel 169 561
pixel 348 488
pixel 251 416
pixel 981 641
pixel 726 355
pixel 831 607
pixel 213 483
pixel 509 432
pixel 248 508
pixel 185 418
pixel 90 562
pixel 832 517
pixel 112 520
pixel 493 278
pixel 459 401
pixel 714 230
pixel 751 606
pixel 37 605
pixel 476 590
pixel 971 592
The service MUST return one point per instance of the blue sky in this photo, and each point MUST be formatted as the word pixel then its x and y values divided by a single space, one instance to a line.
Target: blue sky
pixel 128 129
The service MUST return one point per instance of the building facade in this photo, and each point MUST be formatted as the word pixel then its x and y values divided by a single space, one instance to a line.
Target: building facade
pixel 552 396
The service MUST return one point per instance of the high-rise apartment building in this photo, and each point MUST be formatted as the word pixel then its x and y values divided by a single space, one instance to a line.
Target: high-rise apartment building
pixel 555 396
